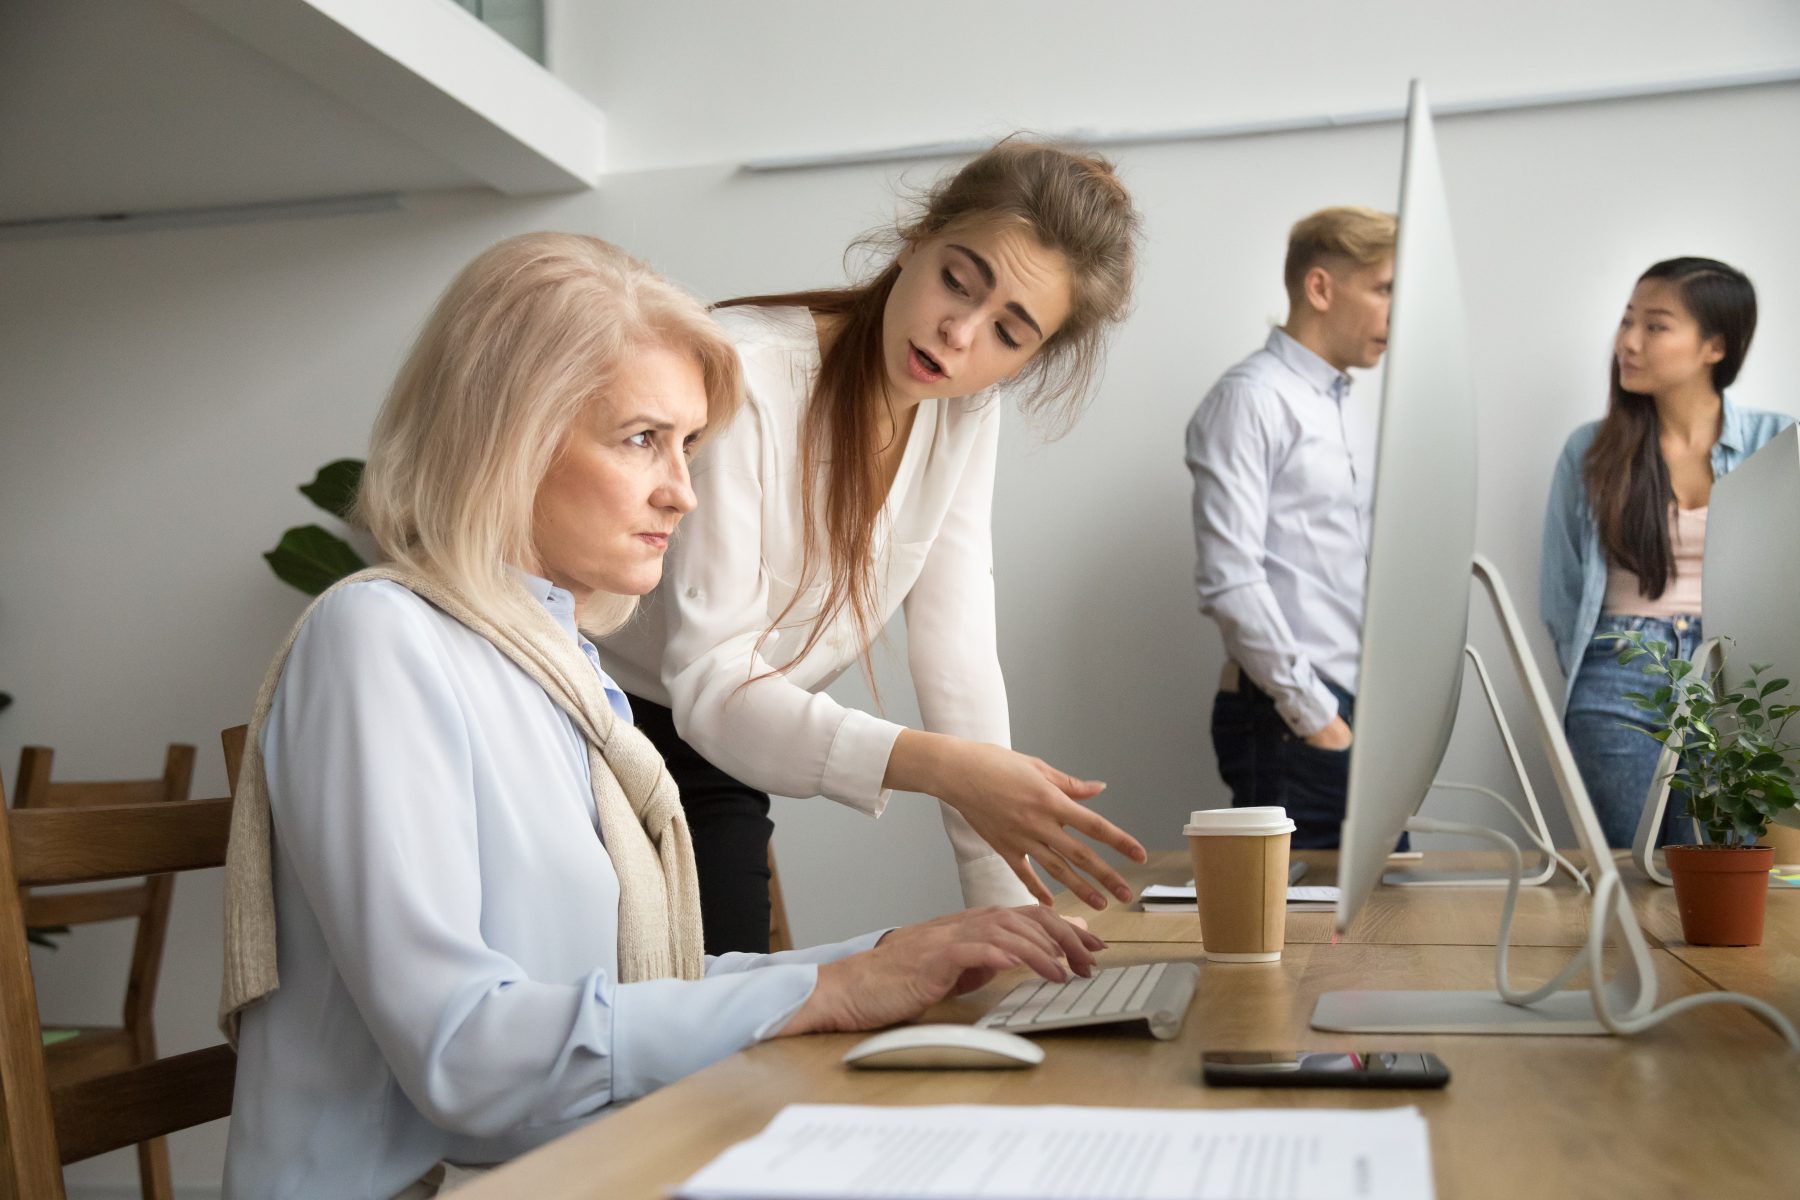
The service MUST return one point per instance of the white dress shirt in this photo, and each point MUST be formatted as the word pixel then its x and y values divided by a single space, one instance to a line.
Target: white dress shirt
pixel 447 920
pixel 1282 491
pixel 734 565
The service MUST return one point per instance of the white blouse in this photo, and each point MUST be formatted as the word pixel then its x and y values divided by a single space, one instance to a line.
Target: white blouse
pixel 447 920
pixel 735 564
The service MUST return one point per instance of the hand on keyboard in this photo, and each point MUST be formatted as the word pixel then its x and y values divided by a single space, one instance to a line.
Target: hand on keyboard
pixel 914 967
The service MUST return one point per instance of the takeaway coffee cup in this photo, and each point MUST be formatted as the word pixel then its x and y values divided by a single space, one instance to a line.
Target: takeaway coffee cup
pixel 1241 878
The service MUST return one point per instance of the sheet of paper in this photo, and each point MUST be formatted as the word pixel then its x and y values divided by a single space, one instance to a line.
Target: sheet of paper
pixel 1169 897
pixel 994 1152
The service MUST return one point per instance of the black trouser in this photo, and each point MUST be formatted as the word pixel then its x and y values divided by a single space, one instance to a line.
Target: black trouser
pixel 1264 762
pixel 730 825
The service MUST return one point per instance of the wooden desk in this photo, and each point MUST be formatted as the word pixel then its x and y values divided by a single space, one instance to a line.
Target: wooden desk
pixel 1448 916
pixel 1701 1106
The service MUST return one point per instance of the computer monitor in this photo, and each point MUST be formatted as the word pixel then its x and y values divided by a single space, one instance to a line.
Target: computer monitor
pixel 1416 606
pixel 1752 570
pixel 1415 625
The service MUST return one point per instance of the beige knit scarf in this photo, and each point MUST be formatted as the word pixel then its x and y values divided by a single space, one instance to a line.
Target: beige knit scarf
pixel 641 823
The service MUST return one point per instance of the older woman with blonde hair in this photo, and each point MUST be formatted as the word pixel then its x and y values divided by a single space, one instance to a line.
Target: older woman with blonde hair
pixel 476 871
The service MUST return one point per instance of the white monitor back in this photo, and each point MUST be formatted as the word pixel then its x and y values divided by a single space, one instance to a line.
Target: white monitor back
pixel 1416 611
pixel 1751 579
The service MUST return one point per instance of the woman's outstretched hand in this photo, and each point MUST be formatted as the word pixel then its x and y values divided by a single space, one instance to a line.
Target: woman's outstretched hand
pixel 916 966
pixel 1021 806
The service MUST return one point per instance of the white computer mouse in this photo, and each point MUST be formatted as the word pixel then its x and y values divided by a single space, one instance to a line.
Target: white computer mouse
pixel 941 1046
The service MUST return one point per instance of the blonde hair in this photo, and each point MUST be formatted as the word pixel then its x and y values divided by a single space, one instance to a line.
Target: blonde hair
pixel 522 341
pixel 1365 236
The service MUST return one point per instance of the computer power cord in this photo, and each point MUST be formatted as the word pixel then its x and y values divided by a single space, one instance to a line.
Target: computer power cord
pixel 1605 896
pixel 1607 893
pixel 1503 942
pixel 1579 876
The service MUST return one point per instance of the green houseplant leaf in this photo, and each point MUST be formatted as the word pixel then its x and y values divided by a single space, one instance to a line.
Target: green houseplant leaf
pixel 1735 769
pixel 334 487
pixel 312 558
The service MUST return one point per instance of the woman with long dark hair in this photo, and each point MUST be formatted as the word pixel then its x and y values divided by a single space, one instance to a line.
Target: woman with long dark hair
pixel 1626 527
pixel 858 480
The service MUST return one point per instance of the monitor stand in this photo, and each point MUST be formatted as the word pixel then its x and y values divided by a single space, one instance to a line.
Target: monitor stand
pixel 1429 877
pixel 1643 845
pixel 1606 1005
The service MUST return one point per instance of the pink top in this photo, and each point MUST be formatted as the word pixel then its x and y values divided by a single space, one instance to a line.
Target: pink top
pixel 1687 537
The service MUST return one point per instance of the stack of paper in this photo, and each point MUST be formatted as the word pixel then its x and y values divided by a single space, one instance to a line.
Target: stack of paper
pixel 1179 898
pixel 978 1152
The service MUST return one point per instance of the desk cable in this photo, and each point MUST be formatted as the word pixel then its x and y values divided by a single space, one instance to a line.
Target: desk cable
pixel 1607 894
pixel 1579 876
pixel 1610 893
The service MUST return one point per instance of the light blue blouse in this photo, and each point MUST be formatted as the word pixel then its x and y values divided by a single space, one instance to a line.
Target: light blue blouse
pixel 447 921
pixel 1572 579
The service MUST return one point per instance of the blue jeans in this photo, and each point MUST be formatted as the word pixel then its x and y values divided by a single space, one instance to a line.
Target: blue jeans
pixel 1607 733
pixel 1264 763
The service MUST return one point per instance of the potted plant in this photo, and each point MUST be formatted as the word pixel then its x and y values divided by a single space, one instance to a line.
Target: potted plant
pixel 1735 770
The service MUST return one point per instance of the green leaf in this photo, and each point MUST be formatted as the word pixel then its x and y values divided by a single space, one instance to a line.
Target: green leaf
pixel 312 558
pixel 1774 685
pixel 334 487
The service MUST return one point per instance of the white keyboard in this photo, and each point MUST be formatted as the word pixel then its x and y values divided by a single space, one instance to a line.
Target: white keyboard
pixel 1155 993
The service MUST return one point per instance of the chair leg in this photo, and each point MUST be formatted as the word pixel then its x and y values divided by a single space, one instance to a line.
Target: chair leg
pixel 781 937
pixel 153 1169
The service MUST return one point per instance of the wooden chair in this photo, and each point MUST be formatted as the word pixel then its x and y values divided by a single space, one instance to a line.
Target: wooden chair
pixel 94 1050
pixel 781 935
pixel 45 1123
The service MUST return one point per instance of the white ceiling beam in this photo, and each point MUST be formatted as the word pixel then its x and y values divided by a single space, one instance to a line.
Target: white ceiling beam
pixel 435 75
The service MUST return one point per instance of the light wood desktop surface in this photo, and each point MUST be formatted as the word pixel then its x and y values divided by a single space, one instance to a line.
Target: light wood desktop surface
pixel 1446 916
pixel 1704 1105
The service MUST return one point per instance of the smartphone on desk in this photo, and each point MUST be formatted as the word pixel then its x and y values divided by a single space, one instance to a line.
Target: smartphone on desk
pixel 1323 1068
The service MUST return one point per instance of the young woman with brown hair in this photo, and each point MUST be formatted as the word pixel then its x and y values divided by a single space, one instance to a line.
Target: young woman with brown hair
pixel 1626 526
pixel 859 479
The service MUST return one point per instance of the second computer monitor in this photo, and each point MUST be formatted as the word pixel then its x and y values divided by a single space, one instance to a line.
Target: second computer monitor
pixel 1752 571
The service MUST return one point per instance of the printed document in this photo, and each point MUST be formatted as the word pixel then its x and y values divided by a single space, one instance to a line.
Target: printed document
pixel 994 1152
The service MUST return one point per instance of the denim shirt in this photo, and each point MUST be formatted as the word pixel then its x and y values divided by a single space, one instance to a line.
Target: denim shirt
pixel 1572 583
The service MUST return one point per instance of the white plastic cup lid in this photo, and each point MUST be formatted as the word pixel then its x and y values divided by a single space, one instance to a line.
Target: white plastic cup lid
pixel 1238 822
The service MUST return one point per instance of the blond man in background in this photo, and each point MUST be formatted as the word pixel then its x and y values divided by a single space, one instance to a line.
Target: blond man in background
pixel 1281 520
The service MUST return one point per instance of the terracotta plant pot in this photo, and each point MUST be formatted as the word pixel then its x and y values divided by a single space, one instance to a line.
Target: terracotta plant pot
pixel 1721 892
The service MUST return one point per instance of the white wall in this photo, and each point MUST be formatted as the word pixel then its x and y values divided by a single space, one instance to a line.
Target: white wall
pixel 162 392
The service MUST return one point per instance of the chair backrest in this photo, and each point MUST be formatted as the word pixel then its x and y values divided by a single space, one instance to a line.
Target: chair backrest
pixel 147 900
pixel 40 1129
